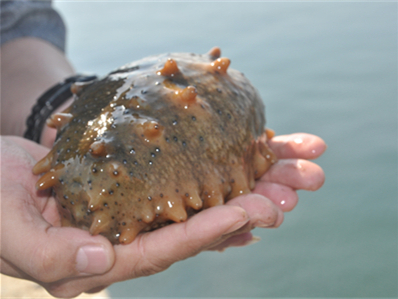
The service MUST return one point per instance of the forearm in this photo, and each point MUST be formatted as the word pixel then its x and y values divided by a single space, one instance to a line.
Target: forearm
pixel 29 66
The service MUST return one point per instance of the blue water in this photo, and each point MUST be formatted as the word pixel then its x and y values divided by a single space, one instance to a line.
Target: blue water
pixel 327 68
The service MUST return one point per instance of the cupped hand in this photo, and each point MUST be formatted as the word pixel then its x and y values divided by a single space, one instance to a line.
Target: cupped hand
pixel 68 261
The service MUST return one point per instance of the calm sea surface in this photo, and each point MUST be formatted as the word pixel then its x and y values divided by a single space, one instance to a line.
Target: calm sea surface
pixel 325 68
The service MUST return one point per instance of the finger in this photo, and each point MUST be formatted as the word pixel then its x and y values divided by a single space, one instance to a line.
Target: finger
pixel 10 270
pixel 282 196
pixel 49 253
pixel 244 239
pixel 295 173
pixel 166 246
pixel 155 251
pixel 37 151
pixel 261 211
pixel 299 145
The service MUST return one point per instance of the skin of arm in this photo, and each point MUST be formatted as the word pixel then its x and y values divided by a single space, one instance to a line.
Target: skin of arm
pixel 29 66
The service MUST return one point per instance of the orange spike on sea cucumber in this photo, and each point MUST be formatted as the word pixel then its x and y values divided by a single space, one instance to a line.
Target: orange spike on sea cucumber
pixel 193 200
pixel 269 132
pixel 147 214
pixel 152 130
pixel 267 153
pixel 94 202
pixel 44 164
pixel 100 223
pixel 239 182
pixel 170 68
pixel 58 120
pixel 214 52
pixel 212 196
pixel 260 164
pixel 128 234
pixel 220 65
pixel 48 180
pixel 175 211
pixel 251 177
pixel 188 94
pixel 77 87
pixel 97 148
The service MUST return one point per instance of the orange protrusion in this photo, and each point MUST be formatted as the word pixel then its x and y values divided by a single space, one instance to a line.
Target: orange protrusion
pixel 94 203
pixel 193 200
pixel 151 130
pixel 175 210
pixel 220 65
pixel 170 68
pixel 147 215
pixel 43 165
pixel 187 95
pixel 270 133
pixel 267 153
pixel 239 183
pixel 100 223
pixel 212 197
pixel 251 178
pixel 260 164
pixel 48 180
pixel 77 87
pixel 58 120
pixel 215 52
pixel 97 148
pixel 128 234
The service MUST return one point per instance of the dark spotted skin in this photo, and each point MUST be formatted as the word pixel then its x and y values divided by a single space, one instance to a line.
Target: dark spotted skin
pixel 154 142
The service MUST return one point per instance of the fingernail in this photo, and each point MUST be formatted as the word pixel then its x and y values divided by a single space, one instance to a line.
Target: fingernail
pixel 92 259
pixel 271 220
pixel 263 224
pixel 239 224
pixel 254 240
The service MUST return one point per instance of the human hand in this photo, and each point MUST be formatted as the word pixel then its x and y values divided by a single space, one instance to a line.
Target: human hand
pixel 34 247
pixel 275 192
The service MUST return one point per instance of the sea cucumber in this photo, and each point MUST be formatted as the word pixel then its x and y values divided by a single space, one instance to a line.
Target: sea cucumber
pixel 154 142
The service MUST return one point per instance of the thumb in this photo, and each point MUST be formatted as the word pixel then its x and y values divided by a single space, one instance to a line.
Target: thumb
pixel 191 237
pixel 157 250
pixel 47 253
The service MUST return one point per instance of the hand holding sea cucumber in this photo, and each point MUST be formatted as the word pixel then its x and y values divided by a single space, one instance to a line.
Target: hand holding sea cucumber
pixel 68 261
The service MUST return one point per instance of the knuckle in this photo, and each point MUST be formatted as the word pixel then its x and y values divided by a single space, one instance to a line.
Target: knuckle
pixel 43 264
pixel 146 265
pixel 270 217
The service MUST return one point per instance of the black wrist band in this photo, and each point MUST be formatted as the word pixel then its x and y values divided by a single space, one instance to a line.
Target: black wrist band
pixel 48 102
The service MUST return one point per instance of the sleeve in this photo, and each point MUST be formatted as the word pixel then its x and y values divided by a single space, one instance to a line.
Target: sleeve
pixel 25 18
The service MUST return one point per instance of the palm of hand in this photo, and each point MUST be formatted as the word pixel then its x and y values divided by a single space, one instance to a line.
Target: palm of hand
pixel 33 241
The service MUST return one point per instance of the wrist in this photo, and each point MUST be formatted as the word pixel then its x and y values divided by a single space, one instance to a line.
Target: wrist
pixel 28 67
